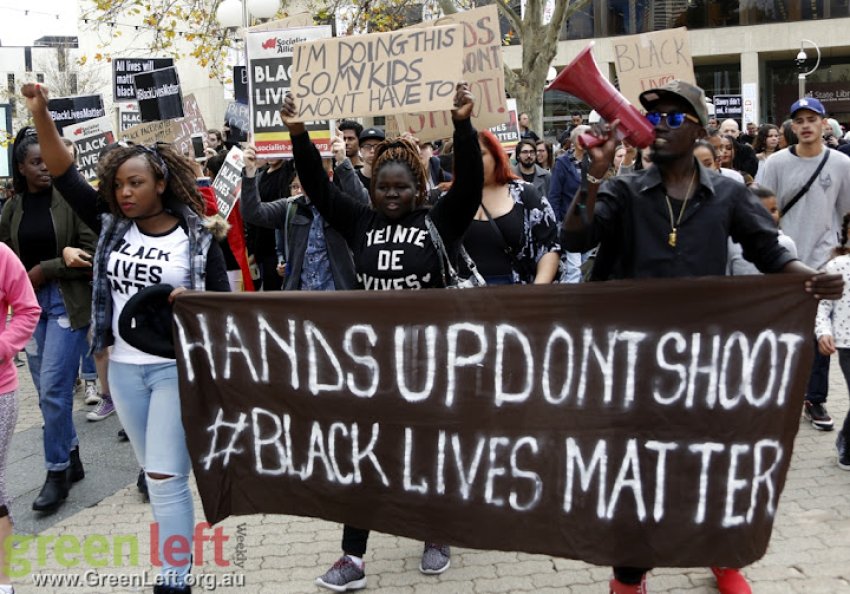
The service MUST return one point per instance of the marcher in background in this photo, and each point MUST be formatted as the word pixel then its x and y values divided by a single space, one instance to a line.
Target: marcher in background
pixel 545 155
pixel 38 224
pixel 528 169
pixel 524 131
pixel 513 238
pixel 745 157
pixel 17 295
pixel 315 255
pixel 622 217
pixel 436 175
pixel 814 220
pixel 832 329
pixel 738 265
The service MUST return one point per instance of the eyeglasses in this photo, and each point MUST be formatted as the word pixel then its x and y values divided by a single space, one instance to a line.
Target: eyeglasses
pixel 674 118
pixel 369 148
pixel 527 152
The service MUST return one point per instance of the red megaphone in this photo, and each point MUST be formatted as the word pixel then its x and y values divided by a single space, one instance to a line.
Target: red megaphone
pixel 583 79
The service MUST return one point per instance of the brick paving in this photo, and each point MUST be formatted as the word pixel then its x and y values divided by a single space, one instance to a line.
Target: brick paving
pixel 809 552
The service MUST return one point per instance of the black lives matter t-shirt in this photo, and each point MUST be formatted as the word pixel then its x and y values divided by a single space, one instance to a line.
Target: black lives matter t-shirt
pixel 141 261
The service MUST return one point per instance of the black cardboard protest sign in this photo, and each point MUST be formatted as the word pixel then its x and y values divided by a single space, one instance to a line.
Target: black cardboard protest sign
pixel 227 185
pixel 66 111
pixel 158 94
pixel 238 118
pixel 125 69
pixel 636 423
pixel 240 84
pixel 728 106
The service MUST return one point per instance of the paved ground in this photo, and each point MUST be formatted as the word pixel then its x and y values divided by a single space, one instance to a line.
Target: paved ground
pixel 809 552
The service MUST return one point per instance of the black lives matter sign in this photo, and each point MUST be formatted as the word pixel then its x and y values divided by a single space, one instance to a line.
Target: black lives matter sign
pixel 124 71
pixel 66 111
pixel 653 426
pixel 158 95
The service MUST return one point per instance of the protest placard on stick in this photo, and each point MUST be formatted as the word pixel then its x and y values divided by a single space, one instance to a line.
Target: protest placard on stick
pixel 659 425
pixel 508 132
pixel 269 78
pixel 378 74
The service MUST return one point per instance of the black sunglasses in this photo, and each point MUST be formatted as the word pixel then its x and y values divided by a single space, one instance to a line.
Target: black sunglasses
pixel 674 118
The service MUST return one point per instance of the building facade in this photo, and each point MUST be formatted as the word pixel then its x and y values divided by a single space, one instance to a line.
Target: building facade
pixel 739 47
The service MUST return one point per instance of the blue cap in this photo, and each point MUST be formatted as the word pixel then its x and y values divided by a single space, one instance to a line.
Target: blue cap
pixel 810 104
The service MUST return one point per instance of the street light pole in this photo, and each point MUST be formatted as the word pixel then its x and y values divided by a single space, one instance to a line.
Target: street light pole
pixel 801 66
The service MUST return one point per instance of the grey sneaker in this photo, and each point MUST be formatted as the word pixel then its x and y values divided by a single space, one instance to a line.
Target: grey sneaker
pixel 103 409
pixel 436 558
pixel 343 575
pixel 91 395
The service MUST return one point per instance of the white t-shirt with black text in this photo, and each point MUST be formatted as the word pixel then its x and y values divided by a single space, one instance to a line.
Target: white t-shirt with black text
pixel 140 261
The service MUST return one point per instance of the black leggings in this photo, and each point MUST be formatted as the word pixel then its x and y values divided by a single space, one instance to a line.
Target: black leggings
pixel 354 540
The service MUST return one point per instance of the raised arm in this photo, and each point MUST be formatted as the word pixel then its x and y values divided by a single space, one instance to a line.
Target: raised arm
pixel 73 187
pixel 270 215
pixel 53 151
pixel 455 211
pixel 339 209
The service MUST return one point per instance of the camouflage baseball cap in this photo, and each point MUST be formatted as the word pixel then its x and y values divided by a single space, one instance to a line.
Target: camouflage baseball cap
pixel 691 94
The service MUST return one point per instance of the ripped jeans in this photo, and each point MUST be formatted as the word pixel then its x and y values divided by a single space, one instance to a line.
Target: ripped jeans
pixel 53 355
pixel 148 403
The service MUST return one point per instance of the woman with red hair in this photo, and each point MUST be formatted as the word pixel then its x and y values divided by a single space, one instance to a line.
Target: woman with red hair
pixel 514 236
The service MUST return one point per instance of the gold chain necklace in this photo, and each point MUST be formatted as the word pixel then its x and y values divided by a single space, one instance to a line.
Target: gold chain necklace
pixel 674 226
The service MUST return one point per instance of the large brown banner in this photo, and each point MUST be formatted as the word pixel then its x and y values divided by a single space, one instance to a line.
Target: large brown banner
pixel 633 423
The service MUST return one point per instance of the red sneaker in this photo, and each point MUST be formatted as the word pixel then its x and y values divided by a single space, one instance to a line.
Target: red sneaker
pixel 730 581
pixel 617 587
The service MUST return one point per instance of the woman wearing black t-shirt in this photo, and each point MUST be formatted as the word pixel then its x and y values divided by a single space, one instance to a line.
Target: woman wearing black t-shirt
pixel 37 224
pixel 392 249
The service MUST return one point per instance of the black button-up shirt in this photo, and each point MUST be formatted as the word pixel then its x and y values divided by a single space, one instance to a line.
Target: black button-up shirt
pixel 631 222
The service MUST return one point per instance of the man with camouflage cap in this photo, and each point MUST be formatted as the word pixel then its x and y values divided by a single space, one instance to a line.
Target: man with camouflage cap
pixel 674 220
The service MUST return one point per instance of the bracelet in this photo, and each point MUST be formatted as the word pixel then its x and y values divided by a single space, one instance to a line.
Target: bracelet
pixel 591 179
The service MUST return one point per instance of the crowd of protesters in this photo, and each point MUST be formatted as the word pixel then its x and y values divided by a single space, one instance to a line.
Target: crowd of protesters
pixel 80 257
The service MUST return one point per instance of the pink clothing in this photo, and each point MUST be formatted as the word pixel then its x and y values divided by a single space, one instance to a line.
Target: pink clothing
pixel 15 292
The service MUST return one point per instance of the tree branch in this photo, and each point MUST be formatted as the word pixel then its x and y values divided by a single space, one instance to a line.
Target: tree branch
pixel 447 6
pixel 510 14
pixel 563 10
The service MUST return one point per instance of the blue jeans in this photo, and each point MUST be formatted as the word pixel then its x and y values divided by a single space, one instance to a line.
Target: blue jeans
pixel 53 355
pixel 148 404
pixel 88 372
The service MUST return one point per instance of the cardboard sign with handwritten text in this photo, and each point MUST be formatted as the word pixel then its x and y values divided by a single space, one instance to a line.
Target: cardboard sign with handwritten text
pixel 483 69
pixel 651 60
pixel 378 74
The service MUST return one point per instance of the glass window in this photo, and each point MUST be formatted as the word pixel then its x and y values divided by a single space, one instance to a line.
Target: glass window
pixel 830 83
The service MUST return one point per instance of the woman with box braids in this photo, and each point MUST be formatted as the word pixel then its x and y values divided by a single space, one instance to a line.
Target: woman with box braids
pixel 398 224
